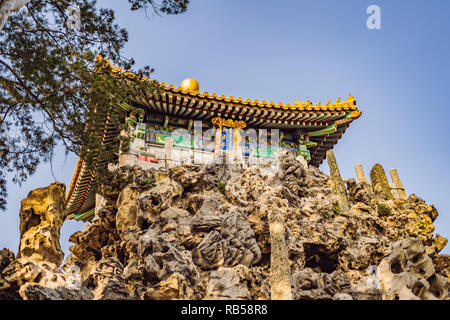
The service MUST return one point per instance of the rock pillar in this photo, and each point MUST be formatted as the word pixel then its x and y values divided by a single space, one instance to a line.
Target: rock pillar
pixel 394 191
pixel 360 174
pixel 379 181
pixel 42 214
pixel 280 271
pixel 398 184
pixel 168 148
pixel 336 183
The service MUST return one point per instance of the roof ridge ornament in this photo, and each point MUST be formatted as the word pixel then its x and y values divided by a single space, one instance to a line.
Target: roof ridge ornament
pixel 190 85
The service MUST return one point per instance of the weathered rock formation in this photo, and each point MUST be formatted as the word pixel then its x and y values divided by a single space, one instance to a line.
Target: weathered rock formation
pixel 231 232
pixel 41 217
pixel 408 273
pixel 336 182
pixel 380 183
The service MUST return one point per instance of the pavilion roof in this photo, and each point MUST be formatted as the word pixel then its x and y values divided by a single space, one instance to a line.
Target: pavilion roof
pixel 332 118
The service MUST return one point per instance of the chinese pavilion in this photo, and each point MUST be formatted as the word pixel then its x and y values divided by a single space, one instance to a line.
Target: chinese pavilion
pixel 306 129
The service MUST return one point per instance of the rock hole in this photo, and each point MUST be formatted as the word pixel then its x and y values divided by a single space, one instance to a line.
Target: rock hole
pixel 33 219
pixel 396 266
pixel 188 189
pixel 379 228
pixel 436 292
pixel 97 254
pixel 417 289
pixel 318 257
pixel 265 259
pixel 434 288
pixel 144 224
pixel 38 278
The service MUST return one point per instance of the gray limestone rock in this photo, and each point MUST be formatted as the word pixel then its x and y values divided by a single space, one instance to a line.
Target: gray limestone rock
pixel 204 232
pixel 225 284
pixel 234 244
pixel 409 274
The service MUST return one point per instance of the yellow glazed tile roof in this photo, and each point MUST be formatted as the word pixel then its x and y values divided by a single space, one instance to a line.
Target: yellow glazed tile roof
pixel 347 105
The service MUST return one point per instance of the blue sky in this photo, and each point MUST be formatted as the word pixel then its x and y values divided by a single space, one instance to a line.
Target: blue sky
pixel 307 50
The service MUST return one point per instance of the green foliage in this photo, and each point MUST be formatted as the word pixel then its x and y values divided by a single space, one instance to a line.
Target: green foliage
pixel 121 181
pixel 53 91
pixel 383 210
pixel 221 186
pixel 337 211
pixel 162 6
pixel 146 182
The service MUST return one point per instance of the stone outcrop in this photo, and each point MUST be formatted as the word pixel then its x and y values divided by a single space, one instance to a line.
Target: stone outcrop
pixel 41 217
pixel 234 244
pixel 225 284
pixel 380 184
pixel 398 185
pixel 408 273
pixel 368 287
pixel 279 261
pixel 231 232
pixel 442 265
pixel 7 291
pixel 28 280
pixel 336 183
pixel 310 285
pixel 360 176
pixel 6 257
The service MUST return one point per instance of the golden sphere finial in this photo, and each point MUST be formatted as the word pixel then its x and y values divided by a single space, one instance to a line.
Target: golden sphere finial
pixel 190 84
